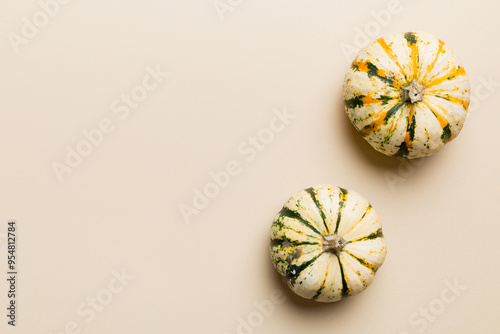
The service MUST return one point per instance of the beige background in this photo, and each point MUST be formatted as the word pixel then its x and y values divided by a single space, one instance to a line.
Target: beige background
pixel 120 207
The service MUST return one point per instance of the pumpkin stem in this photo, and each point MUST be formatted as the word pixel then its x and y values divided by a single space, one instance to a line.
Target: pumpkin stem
pixel 414 92
pixel 333 243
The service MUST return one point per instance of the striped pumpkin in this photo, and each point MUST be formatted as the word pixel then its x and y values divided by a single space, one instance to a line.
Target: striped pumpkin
pixel 328 243
pixel 407 94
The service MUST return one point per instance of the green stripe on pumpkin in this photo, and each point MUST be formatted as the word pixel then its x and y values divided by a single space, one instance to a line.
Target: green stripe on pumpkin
pixel 374 235
pixel 385 99
pixel 342 199
pixel 446 135
pixel 363 262
pixel 375 126
pixel 345 288
pixel 294 271
pixel 403 151
pixel 286 212
pixel 280 226
pixel 411 38
pixel 355 102
pixel 322 287
pixel 392 111
pixel 311 192
pixel 291 243
pixel 373 72
pixel 368 209
pixel 411 128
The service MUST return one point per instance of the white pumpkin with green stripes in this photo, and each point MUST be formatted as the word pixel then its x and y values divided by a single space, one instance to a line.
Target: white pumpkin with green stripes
pixel 407 94
pixel 328 243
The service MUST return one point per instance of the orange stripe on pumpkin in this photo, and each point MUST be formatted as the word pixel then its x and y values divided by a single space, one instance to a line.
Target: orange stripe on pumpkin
pixel 408 141
pixel 414 59
pixel 368 99
pixel 443 122
pixel 362 65
pixel 376 125
pixel 454 99
pixel 390 54
pixel 431 66
pixel 445 112
pixel 431 90
pixel 455 72
pixel 378 122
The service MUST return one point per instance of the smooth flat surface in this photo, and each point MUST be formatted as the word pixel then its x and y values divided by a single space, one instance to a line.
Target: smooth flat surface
pixel 118 209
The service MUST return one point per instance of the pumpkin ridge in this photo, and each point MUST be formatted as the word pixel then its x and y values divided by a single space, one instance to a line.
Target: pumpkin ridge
pixel 451 75
pixel 391 54
pixel 293 243
pixel 431 66
pixel 368 209
pixel 371 236
pixel 410 127
pixel 387 104
pixel 411 38
pixel 362 100
pixel 374 71
pixel 390 133
pixel 282 225
pixel 343 198
pixel 445 112
pixel 433 91
pixel 286 212
pixel 345 288
pixel 453 99
pixel 392 111
pixel 371 71
pixel 294 271
pixel 322 286
pixel 363 262
pixel 382 119
pixel 311 193
pixel 443 122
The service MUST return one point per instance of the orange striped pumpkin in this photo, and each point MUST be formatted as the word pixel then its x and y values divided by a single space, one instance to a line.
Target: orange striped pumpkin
pixel 407 94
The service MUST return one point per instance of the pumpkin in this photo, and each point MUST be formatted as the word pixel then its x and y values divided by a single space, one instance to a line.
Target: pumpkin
pixel 327 243
pixel 407 94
